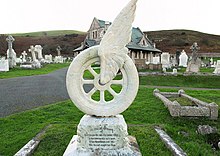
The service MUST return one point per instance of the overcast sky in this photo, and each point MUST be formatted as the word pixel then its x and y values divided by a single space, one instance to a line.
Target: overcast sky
pixel 41 15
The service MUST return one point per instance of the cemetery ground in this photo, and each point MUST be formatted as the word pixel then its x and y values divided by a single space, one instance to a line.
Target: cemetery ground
pixel 18 72
pixel 146 112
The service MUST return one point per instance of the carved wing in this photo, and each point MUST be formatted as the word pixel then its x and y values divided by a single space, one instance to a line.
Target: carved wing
pixel 112 48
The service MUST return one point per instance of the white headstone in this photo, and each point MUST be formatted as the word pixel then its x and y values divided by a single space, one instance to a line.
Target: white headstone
pixel 156 60
pixel 24 54
pixel 38 49
pixel 48 58
pixel 32 50
pixel 4 65
pixel 174 71
pixel 211 61
pixel 35 62
pixel 183 59
pixel 11 55
pixel 165 60
pixel 217 68
pixel 58 59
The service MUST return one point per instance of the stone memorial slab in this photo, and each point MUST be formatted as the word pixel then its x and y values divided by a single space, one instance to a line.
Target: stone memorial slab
pixel 156 60
pixel 183 59
pixel 195 63
pixel 165 60
pixel 48 58
pixel 11 55
pixel 217 68
pixel 4 65
pixel 103 132
pixel 58 59
pixel 24 54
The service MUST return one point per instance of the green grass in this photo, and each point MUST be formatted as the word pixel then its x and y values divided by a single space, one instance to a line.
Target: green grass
pixel 183 101
pixel 181 81
pixel 49 33
pixel 18 72
pixel 180 70
pixel 146 112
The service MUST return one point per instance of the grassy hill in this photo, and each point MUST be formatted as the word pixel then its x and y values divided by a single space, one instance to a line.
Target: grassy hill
pixel 49 33
pixel 173 40
pixel 68 40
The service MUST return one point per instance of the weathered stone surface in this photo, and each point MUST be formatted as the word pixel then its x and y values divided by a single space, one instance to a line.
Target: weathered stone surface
pixel 194 111
pixel 171 145
pixel 206 129
pixel 174 109
pixel 102 133
pixel 102 137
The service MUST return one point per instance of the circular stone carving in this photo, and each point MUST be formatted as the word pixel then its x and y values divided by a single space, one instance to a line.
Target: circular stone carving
pixel 101 107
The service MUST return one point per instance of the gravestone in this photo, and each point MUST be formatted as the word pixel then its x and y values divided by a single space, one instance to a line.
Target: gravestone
pixel 58 50
pixel 103 131
pixel 173 61
pixel 174 71
pixel 58 59
pixel 165 60
pixel 48 58
pixel 156 60
pixel 195 63
pixel 11 55
pixel 38 50
pixel 24 54
pixel 211 61
pixel 4 65
pixel 217 68
pixel 35 62
pixel 183 59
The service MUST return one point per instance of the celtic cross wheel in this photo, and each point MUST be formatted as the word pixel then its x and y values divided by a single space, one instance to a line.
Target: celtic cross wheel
pixel 101 105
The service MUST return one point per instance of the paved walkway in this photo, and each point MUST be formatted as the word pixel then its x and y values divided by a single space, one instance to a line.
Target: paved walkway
pixel 23 93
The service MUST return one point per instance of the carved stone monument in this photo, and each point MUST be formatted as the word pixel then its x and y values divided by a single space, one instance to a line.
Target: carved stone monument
pixel 38 50
pixel 103 131
pixel 35 62
pixel 24 54
pixel 217 68
pixel 58 50
pixel 165 60
pixel 11 55
pixel 195 63
pixel 4 66
pixel 183 59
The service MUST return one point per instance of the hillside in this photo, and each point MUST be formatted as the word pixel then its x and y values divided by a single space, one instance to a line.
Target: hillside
pixel 173 40
pixel 49 40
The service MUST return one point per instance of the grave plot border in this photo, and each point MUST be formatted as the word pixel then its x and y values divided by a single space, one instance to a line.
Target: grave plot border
pixel 202 109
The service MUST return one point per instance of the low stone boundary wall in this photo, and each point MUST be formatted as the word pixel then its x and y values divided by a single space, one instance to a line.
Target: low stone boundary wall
pixel 201 109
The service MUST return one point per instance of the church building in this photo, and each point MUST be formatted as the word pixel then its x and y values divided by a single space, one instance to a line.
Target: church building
pixel 141 49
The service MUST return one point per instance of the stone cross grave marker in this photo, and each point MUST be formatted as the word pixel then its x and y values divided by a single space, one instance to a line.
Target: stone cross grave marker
pixel 11 55
pixel 58 50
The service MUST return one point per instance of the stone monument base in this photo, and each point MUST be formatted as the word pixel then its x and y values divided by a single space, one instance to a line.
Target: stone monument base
pixel 102 136
pixel 194 66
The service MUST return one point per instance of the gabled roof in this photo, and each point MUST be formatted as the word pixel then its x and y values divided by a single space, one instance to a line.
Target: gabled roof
pixel 136 36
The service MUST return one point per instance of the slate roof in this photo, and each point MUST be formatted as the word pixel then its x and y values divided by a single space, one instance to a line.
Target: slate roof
pixel 136 37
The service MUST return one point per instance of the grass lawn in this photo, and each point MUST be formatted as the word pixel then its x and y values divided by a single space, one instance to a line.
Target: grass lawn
pixel 18 72
pixel 195 81
pixel 146 112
